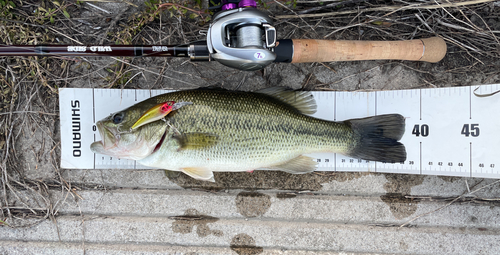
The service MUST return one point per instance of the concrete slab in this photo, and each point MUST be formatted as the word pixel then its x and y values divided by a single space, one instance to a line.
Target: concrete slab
pixel 284 206
pixel 274 221
pixel 56 248
pixel 288 235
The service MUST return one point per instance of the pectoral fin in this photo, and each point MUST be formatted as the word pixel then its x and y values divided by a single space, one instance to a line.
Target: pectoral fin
pixel 191 141
pixel 199 173
pixel 299 165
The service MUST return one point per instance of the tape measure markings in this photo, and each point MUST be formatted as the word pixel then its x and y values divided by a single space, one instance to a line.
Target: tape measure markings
pixel 448 130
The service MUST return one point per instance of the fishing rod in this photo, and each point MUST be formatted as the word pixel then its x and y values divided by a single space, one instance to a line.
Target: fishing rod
pixel 243 37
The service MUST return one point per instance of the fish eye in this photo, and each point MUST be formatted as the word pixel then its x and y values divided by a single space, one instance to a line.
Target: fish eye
pixel 118 118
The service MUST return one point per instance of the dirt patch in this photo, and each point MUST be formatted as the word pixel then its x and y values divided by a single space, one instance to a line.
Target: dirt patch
pixel 38 156
pixel 184 224
pixel 397 188
pixel 450 178
pixel 402 183
pixel 373 75
pixel 403 245
pixel 263 180
pixel 283 195
pixel 244 244
pixel 252 204
pixel 400 206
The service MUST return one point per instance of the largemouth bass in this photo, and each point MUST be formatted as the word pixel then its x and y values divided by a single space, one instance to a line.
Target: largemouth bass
pixel 243 131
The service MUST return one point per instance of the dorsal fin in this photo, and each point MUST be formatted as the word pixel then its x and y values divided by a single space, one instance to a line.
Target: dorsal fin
pixel 301 100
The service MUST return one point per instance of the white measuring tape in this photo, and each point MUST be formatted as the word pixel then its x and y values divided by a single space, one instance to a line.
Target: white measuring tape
pixel 449 131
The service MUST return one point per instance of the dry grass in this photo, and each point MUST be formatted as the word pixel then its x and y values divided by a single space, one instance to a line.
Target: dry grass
pixel 28 85
pixel 472 26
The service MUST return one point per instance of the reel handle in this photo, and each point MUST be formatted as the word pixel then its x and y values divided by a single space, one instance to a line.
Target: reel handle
pixel 310 50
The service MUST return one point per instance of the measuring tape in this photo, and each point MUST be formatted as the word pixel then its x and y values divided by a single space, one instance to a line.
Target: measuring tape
pixel 449 131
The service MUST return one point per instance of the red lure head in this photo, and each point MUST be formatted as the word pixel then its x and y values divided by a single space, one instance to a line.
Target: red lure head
pixel 167 106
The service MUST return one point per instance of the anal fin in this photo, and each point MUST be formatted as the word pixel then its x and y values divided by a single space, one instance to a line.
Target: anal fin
pixel 199 173
pixel 299 165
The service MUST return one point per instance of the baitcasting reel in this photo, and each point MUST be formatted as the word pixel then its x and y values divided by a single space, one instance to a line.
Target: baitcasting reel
pixel 241 36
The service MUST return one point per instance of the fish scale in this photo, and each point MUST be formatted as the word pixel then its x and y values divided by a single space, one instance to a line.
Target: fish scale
pixel 253 130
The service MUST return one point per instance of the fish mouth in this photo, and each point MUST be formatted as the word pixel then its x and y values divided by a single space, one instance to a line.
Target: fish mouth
pixel 108 139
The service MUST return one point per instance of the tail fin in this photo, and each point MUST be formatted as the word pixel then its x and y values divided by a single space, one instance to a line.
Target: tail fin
pixel 376 138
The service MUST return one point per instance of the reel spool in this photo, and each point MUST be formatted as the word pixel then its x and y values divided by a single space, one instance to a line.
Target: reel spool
pixel 243 37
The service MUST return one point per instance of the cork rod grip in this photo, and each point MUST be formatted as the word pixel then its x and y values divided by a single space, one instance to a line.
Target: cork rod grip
pixel 310 50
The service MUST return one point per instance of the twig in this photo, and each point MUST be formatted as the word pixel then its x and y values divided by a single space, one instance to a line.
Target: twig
pixel 39 112
pixel 425 23
pixel 318 1
pixel 386 8
pixel 131 78
pixel 331 69
pixel 76 41
pixel 282 5
pixel 110 1
pixel 346 27
pixel 99 8
pixel 460 44
pixel 448 204
pixel 165 5
pixel 329 5
pixel 440 22
pixel 430 84
pixel 146 70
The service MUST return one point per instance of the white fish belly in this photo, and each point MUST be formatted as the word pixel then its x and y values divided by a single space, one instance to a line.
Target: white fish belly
pixel 219 158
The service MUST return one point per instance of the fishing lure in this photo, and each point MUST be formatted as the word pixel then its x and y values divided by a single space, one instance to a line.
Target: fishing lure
pixel 158 112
